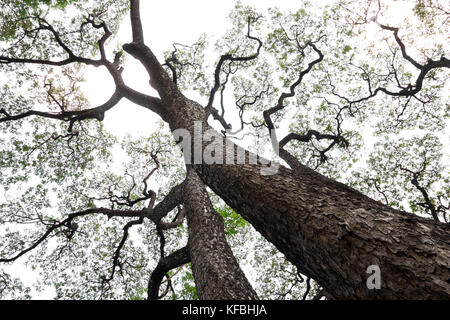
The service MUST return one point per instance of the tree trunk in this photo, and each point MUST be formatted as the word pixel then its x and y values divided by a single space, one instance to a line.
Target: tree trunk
pixel 329 231
pixel 333 233
pixel 216 272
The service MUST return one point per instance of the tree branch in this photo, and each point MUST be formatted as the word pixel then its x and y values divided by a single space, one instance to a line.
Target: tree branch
pixel 116 261
pixel 229 57
pixel 280 104
pixel 170 202
pixel 174 260
pixel 122 90
pixel 173 198
pixel 410 90
pixel 71 116
pixel 68 221
pixel 136 25
pixel 291 92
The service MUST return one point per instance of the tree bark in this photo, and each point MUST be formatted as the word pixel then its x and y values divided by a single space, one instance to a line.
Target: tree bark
pixel 333 233
pixel 216 272
pixel 329 231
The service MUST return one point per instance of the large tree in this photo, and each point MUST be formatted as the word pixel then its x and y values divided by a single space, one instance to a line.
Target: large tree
pixel 322 77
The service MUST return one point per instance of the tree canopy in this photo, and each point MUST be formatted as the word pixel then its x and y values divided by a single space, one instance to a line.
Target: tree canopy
pixel 354 90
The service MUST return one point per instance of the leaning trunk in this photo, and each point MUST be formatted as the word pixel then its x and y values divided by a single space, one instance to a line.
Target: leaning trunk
pixel 330 232
pixel 333 233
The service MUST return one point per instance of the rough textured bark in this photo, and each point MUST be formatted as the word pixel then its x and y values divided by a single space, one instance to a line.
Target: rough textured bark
pixel 331 232
pixel 216 272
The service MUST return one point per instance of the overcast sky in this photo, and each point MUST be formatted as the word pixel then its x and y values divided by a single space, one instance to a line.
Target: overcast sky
pixel 164 23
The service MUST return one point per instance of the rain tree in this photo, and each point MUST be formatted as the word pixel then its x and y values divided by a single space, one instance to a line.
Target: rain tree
pixel 348 103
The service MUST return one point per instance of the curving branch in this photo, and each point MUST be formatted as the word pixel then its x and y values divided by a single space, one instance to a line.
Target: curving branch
pixel 209 109
pixel 243 102
pixel 280 104
pixel 176 66
pixel 336 139
pixel 128 200
pixel 116 257
pixel 379 190
pixel 44 25
pixel 428 203
pixel 411 89
pixel 106 33
pixel 165 264
pixel 175 223
pixel 69 222
pixel 170 202
pixel 161 226
pixel 70 116
pixel 308 288
pixel 424 68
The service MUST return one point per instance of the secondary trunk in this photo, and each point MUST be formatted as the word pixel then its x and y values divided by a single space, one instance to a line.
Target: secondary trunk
pixel 216 272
